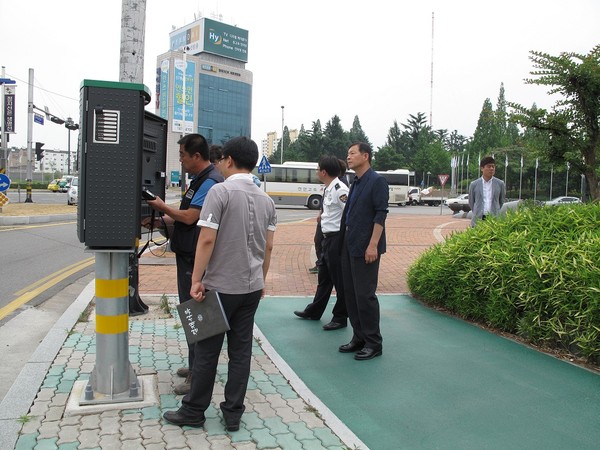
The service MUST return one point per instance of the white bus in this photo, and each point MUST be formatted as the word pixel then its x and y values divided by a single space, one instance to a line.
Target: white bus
pixel 297 183
pixel 399 183
pixel 293 183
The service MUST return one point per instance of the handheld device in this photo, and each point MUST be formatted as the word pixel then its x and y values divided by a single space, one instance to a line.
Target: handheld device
pixel 147 195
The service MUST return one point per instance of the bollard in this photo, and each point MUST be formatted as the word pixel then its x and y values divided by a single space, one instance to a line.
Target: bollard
pixel 113 377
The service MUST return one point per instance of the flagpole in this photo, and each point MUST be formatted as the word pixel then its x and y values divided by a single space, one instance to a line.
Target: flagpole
pixel 535 180
pixel 521 177
pixel 551 173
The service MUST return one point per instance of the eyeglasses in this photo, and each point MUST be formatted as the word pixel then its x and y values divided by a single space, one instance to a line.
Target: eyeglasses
pixel 218 161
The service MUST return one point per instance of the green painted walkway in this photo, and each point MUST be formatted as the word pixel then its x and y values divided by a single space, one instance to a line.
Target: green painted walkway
pixel 441 382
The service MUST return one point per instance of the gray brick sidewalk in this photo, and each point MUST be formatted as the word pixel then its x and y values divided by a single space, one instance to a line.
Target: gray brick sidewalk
pixel 276 416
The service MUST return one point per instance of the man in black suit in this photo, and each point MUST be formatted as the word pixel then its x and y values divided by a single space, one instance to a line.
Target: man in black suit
pixel 363 243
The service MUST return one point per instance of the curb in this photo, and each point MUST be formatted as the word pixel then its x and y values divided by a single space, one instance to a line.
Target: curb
pixel 29 220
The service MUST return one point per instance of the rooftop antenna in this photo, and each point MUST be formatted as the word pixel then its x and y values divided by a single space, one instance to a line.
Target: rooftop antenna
pixel 431 87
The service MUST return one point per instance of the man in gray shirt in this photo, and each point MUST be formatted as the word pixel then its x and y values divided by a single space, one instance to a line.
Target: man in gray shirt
pixel 232 257
pixel 486 194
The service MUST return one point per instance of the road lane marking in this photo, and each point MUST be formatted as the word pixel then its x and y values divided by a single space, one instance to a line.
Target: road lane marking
pixel 36 288
pixel 25 227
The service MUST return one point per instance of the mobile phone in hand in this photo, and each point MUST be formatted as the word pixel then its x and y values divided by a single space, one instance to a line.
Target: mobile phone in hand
pixel 147 195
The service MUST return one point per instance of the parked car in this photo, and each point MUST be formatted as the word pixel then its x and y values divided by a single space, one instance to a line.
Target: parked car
pixel 72 192
pixel 460 203
pixel 53 185
pixel 563 200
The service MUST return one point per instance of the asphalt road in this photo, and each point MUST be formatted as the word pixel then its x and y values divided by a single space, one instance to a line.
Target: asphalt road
pixel 42 259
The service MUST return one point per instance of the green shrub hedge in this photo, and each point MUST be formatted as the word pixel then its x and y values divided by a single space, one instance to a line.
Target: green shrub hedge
pixel 534 272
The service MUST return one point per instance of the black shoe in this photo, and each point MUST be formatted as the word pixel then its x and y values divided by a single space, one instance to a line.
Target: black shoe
pixel 368 353
pixel 176 418
pixel 352 346
pixel 304 315
pixel 232 426
pixel 334 326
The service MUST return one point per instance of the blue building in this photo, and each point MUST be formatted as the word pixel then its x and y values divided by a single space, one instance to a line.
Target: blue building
pixel 218 88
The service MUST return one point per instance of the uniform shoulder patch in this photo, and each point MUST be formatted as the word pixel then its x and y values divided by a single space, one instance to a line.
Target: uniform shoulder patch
pixel 344 198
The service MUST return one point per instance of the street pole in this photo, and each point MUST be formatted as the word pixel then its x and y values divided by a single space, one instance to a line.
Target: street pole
pixel 282 133
pixel 182 175
pixel 2 124
pixel 69 122
pixel 29 136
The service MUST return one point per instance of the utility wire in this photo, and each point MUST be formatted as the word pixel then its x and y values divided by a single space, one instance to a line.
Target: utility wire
pixel 42 89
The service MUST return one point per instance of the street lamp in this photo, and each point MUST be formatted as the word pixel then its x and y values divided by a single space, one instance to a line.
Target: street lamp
pixel 70 125
pixel 428 173
pixel 282 134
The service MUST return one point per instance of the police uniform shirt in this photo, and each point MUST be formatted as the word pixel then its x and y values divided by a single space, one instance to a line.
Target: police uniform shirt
pixel 334 201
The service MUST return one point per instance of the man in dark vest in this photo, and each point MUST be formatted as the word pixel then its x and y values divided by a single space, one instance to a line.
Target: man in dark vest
pixel 194 156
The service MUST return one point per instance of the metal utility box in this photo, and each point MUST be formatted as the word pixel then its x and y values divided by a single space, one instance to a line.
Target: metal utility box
pixel 111 154
pixel 154 158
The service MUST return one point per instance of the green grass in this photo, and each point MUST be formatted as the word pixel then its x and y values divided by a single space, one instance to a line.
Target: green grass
pixel 534 273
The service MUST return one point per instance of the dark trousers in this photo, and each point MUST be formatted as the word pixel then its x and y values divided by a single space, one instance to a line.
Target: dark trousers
pixel 185 266
pixel 360 284
pixel 330 275
pixel 240 310
pixel 318 240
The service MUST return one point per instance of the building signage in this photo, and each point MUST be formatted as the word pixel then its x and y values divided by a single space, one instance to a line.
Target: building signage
pixel 162 89
pixel 211 36
pixel 178 96
pixel 9 109
pixel 225 40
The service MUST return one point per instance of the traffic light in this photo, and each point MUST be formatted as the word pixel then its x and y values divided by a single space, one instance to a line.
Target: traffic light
pixel 57 120
pixel 39 152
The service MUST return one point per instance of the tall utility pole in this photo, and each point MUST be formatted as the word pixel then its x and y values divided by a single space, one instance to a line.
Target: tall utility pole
pixel 29 136
pixel 282 133
pixel 133 26
pixel 431 83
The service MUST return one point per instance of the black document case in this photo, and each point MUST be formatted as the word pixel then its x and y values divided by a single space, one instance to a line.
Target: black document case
pixel 203 319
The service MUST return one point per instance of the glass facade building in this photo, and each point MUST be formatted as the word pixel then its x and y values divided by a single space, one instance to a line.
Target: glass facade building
pixel 224 108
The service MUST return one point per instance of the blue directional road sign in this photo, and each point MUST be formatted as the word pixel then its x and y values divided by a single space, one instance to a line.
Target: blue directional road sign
pixel 4 182
pixel 264 166
pixel 38 118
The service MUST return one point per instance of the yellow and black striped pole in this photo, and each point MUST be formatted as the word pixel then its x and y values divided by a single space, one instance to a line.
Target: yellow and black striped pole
pixel 112 374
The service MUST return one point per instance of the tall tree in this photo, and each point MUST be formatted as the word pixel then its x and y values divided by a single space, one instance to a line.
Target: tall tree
pixel 573 123
pixel 336 140
pixel 501 119
pixel 356 132
pixel 485 135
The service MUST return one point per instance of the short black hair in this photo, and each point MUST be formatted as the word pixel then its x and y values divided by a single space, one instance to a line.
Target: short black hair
pixel 487 160
pixel 195 143
pixel 243 151
pixel 343 167
pixel 330 164
pixel 363 147
pixel 216 153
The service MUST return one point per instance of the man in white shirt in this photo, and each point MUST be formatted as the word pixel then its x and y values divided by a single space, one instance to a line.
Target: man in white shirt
pixel 330 270
pixel 486 194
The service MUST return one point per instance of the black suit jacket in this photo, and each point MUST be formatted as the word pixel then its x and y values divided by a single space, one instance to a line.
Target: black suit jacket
pixel 367 205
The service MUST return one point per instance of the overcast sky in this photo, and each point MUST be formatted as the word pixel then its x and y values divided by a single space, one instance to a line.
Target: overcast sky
pixel 316 58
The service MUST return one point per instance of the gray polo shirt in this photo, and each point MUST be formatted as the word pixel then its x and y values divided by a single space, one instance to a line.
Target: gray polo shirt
pixel 242 213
